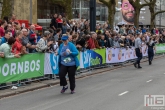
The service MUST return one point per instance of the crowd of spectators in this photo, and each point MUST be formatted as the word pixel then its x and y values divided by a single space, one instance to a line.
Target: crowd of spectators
pixel 16 41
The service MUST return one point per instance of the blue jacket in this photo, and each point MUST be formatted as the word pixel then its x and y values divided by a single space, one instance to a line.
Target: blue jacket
pixel 74 53
pixel 3 40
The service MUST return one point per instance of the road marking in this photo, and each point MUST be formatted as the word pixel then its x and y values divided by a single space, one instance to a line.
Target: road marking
pixel 149 81
pixel 164 73
pixel 123 93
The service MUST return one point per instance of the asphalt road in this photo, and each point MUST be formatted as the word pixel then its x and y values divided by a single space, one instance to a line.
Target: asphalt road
pixel 121 89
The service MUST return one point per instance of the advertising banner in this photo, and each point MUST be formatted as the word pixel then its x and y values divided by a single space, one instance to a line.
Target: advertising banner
pixel 51 65
pixel 160 48
pixel 118 55
pixel 92 57
pixel 28 66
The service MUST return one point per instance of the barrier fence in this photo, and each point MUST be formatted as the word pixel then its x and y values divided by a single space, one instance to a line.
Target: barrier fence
pixel 41 64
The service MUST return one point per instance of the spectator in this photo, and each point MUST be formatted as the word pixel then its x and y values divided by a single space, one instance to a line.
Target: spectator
pixel 127 41
pixel 75 28
pixel 57 36
pixel 64 27
pixel 102 42
pixel 93 43
pixel 122 41
pixel 116 42
pixel 42 44
pixel 109 39
pixel 14 19
pixel 144 30
pixel 54 24
pixel 17 47
pixel 6 19
pixel 80 44
pixel 132 40
pixel 121 31
pixel 2 30
pixel 32 37
pixel 26 42
pixel 161 40
pixel 5 38
pixel 86 27
pixel 156 31
pixel 74 39
pixel 6 49
pixel 9 28
pixel 59 21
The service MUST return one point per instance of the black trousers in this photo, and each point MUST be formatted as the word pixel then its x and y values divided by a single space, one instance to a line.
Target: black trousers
pixel 139 55
pixel 71 70
pixel 150 54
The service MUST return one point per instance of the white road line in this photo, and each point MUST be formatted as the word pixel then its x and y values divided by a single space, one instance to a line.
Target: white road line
pixel 123 93
pixel 149 81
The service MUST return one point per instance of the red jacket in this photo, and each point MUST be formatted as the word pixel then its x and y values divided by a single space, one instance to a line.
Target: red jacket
pixel 17 47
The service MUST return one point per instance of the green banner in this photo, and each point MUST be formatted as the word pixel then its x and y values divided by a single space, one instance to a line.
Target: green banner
pixel 102 53
pixel 160 48
pixel 28 66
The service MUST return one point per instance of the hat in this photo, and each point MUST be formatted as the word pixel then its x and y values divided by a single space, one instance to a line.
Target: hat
pixel 64 37
pixel 46 33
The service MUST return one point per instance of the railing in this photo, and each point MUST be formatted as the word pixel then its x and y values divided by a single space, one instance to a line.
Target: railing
pixel 42 66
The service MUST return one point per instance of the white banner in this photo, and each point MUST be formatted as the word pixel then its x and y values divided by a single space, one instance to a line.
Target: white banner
pixel 51 65
pixel 118 55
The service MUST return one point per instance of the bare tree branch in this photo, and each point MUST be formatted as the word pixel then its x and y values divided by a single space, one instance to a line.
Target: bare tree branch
pixel 147 1
pixel 104 2
pixel 132 3
pixel 162 11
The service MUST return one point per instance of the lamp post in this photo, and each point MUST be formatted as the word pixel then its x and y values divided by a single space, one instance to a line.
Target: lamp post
pixel 160 15
pixel 31 13
pixel 92 15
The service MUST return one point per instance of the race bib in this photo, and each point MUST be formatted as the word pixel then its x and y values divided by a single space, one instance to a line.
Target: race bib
pixel 67 60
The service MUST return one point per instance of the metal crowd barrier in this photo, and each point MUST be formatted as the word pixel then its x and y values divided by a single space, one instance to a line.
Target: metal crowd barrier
pixel 56 77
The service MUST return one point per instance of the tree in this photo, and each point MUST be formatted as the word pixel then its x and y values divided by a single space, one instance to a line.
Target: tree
pixel 111 4
pixel 6 8
pixel 152 12
pixel 137 7
pixel 67 5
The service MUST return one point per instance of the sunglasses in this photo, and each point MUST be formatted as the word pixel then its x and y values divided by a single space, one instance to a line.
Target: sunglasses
pixel 126 6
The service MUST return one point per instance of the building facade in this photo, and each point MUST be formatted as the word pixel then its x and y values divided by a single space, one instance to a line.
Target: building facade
pixel 43 11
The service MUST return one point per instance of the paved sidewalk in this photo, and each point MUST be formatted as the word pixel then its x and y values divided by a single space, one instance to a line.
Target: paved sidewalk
pixel 52 82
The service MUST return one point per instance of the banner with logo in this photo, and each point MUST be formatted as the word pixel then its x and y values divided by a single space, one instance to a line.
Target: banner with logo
pixel 160 48
pixel 51 65
pixel 92 57
pixel 118 55
pixel 28 66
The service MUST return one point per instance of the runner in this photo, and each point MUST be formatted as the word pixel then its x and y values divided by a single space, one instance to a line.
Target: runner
pixel 151 48
pixel 138 49
pixel 68 63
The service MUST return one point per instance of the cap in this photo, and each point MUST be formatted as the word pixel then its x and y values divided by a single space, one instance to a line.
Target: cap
pixel 46 33
pixel 64 37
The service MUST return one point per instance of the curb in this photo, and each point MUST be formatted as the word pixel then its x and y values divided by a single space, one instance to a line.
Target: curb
pixel 77 77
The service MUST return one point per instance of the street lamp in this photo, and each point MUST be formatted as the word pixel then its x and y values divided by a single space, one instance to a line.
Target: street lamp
pixel 31 12
pixel 92 15
pixel 160 15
